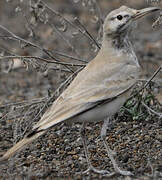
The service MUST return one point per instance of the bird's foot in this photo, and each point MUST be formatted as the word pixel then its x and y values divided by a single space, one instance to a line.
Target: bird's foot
pixel 112 152
pixel 103 172
pixel 107 173
pixel 122 172
pixel 93 169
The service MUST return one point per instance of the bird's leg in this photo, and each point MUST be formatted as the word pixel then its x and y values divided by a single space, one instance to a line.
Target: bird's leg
pixel 90 166
pixel 110 152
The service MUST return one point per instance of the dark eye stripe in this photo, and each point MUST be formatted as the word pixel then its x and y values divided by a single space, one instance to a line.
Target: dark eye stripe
pixel 126 15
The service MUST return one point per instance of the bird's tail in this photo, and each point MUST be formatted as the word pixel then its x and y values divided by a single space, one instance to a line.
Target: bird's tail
pixel 21 144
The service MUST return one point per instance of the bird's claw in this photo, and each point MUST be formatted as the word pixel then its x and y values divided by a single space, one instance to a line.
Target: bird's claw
pixel 107 173
pixel 124 173
pixel 92 169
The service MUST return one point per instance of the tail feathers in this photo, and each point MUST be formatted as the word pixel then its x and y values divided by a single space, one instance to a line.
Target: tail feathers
pixel 20 145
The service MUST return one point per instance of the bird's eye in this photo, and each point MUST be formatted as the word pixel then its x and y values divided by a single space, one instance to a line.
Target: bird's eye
pixel 119 17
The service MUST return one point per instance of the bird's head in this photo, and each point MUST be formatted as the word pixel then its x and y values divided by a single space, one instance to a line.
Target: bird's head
pixel 121 20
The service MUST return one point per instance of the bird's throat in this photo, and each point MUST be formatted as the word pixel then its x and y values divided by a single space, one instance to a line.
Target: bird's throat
pixel 120 44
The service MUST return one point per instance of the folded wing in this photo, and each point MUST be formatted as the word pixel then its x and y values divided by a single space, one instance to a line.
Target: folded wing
pixel 79 98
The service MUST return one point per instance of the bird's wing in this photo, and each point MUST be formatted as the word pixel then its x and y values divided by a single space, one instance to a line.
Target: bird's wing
pixel 83 95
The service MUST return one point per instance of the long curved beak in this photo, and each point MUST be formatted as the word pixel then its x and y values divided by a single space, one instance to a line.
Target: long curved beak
pixel 145 11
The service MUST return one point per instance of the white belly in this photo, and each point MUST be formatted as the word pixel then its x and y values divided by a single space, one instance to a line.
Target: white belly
pixel 99 113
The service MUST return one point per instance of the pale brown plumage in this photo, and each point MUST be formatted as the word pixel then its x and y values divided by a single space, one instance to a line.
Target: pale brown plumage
pixel 87 91
pixel 102 86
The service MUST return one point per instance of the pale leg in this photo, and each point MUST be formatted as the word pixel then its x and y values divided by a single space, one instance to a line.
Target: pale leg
pixel 109 151
pixel 90 167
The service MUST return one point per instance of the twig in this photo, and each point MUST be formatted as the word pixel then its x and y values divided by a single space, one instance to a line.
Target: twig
pixel 42 59
pixel 147 83
pixel 53 51
pixel 66 20
pixel 152 77
pixel 58 69
pixel 46 51
pixel 31 109
pixel 33 101
pixel 32 33
pixel 63 37
pixel 90 36
pixel 7 51
pixel 67 56
pixel 20 39
pixel 151 110
pixel 17 116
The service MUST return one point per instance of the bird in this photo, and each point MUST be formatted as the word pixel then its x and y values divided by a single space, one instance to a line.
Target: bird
pixel 100 89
